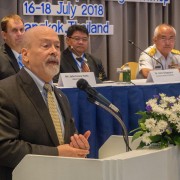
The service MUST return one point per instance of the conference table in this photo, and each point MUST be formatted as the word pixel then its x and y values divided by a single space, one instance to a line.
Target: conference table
pixel 129 98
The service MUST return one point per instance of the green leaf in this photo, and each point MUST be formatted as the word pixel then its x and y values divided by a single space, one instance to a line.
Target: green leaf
pixel 163 145
pixel 143 127
pixel 156 138
pixel 169 139
pixel 168 131
pixel 141 145
pixel 177 140
pixel 135 130
pixel 137 135
pixel 164 142
pixel 142 113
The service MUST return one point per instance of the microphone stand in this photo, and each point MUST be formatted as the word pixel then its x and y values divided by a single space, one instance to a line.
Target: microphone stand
pixel 125 133
pixel 74 51
pixel 132 43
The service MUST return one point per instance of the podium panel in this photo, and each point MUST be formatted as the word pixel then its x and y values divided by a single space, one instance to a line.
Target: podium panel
pixel 144 164
pixel 37 167
pixel 116 145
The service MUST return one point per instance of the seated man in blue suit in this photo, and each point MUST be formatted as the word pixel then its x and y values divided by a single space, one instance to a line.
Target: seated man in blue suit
pixel 27 124
pixel 74 57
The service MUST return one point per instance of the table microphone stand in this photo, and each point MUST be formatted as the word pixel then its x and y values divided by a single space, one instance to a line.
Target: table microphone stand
pixel 125 133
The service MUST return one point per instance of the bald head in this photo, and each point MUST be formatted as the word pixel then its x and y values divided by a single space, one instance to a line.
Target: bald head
pixel 163 27
pixel 41 52
pixel 34 33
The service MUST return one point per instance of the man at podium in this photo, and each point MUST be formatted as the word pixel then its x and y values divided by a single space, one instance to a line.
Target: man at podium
pixel 35 116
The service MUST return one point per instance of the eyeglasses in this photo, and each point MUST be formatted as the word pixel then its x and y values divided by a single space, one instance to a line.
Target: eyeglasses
pixel 164 39
pixel 77 39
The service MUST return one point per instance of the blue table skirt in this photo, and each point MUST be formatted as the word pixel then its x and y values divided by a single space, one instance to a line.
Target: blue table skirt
pixel 129 99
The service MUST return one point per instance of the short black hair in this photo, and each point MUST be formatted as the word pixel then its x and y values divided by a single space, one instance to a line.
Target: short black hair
pixel 77 27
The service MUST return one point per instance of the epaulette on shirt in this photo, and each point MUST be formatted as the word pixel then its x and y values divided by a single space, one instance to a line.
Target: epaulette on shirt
pixel 152 51
pixel 174 51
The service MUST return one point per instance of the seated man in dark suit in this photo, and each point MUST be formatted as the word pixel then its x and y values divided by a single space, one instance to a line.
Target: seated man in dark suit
pixel 12 27
pixel 74 58
pixel 35 116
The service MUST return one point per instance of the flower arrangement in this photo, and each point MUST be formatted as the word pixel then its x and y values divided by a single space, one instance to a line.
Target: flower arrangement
pixel 160 123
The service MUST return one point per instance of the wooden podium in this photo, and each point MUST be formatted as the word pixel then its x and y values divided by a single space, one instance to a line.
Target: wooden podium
pixel 145 164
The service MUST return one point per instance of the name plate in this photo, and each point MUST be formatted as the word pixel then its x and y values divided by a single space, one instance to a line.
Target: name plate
pixel 70 79
pixel 167 75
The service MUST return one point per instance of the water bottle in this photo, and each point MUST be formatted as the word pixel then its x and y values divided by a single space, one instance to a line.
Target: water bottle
pixel 126 73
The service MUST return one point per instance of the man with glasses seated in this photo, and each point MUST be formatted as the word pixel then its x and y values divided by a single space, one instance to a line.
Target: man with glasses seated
pixel 161 55
pixel 75 59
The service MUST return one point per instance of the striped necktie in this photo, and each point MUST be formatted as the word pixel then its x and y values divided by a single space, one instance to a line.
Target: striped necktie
pixel 84 65
pixel 20 61
pixel 54 112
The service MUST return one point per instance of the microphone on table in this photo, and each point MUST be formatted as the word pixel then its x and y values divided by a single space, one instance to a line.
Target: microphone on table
pixel 99 100
pixel 84 85
pixel 132 43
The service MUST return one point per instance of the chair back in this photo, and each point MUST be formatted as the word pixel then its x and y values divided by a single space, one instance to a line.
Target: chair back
pixel 134 68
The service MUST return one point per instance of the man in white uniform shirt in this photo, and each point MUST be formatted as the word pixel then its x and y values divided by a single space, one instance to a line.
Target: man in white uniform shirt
pixel 161 55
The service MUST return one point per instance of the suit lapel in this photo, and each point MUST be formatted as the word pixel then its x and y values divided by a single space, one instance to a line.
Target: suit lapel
pixel 11 57
pixel 32 92
pixel 89 61
pixel 69 57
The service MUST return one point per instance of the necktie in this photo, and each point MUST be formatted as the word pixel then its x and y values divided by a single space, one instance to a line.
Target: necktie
pixel 53 112
pixel 84 65
pixel 20 61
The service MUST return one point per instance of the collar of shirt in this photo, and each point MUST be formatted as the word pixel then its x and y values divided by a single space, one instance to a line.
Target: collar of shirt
pixel 165 61
pixel 77 62
pixel 158 55
pixel 16 54
pixel 39 82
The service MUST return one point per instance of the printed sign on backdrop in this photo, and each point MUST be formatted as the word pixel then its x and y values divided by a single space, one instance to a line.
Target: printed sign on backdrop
pixel 71 11
pixel 164 2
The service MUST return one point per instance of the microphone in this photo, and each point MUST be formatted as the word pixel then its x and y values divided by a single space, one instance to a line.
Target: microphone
pixel 132 43
pixel 84 85
pixel 71 48
pixel 100 100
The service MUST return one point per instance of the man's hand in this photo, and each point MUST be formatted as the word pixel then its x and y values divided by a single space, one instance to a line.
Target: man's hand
pixel 78 147
pixel 80 141
pixel 145 72
pixel 67 151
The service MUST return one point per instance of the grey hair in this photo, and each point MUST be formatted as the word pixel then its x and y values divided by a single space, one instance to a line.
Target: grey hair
pixel 156 31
